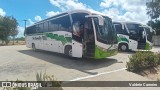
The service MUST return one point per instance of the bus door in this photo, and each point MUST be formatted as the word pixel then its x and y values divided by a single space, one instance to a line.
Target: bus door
pixel 143 35
pixel 77 46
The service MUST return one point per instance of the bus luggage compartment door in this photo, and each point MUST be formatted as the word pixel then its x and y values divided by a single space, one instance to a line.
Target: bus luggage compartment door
pixel 76 49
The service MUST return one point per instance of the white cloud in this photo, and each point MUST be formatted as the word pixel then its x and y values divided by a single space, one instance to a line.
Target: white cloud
pixel 121 10
pixel 30 22
pixel 109 3
pixel 125 10
pixel 21 31
pixel 68 4
pixel 37 18
pixel 2 12
pixel 51 13
pixel 64 5
pixel 106 3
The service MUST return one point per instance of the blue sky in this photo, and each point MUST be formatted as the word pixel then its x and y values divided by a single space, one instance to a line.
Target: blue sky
pixel 36 10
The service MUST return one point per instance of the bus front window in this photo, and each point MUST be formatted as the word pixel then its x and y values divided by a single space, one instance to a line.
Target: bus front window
pixel 133 28
pixel 149 34
pixel 106 33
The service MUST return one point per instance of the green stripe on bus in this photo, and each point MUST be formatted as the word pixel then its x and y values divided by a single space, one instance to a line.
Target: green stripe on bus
pixel 122 39
pixel 99 53
pixel 59 38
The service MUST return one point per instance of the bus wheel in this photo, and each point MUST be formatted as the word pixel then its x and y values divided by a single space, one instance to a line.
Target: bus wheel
pixel 33 46
pixel 123 47
pixel 68 51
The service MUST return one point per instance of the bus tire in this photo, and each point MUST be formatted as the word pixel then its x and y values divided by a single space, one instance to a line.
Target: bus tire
pixel 33 46
pixel 123 47
pixel 68 50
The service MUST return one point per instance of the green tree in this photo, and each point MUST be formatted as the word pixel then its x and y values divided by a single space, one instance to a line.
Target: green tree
pixel 8 27
pixel 14 29
pixel 153 10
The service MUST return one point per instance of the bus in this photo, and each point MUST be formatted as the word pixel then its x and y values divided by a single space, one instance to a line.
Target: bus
pixel 76 33
pixel 133 36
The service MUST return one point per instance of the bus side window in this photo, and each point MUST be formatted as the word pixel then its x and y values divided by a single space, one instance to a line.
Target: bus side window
pixel 41 28
pixel 31 30
pixel 53 25
pixel 64 23
pixel 37 28
pixel 119 28
pixel 46 26
pixel 76 28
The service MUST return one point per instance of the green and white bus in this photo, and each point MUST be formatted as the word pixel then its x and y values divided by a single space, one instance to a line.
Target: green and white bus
pixel 77 33
pixel 133 36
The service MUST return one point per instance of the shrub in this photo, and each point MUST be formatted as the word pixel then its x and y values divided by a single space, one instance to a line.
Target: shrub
pixel 142 60
pixel 48 82
pixel 158 57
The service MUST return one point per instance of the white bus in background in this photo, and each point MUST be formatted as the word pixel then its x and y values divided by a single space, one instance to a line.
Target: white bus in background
pixel 77 33
pixel 133 36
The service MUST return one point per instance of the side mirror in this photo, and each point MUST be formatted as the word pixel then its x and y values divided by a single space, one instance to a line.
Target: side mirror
pixel 100 19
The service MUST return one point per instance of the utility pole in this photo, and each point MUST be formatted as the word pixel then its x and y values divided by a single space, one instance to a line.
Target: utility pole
pixel 25 23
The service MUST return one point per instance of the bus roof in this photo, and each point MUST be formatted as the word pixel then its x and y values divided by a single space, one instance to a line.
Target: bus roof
pixel 130 22
pixel 68 12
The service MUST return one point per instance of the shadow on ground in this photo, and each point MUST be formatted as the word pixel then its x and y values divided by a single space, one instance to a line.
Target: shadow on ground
pixel 80 64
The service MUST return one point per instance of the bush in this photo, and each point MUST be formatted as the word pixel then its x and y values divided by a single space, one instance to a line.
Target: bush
pixel 158 57
pixel 48 82
pixel 142 60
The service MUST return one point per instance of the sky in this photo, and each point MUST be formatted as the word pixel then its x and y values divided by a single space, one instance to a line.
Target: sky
pixel 36 10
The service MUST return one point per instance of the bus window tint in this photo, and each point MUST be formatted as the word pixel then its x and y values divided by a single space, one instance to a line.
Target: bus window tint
pixel 37 28
pixel 40 28
pixel 79 17
pixel 64 23
pixel 53 25
pixel 45 27
pixel 60 24
pixel 133 28
pixel 31 30
pixel 118 28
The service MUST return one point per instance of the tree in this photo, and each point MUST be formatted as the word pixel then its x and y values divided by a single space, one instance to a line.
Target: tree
pixel 8 27
pixel 14 30
pixel 153 10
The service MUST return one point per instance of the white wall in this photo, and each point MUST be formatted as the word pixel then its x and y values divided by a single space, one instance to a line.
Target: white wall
pixel 156 40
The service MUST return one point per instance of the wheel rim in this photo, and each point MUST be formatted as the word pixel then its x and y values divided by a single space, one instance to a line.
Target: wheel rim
pixel 70 52
pixel 124 47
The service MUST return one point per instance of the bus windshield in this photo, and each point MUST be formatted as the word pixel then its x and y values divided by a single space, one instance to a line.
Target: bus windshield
pixel 106 33
pixel 149 34
pixel 134 28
